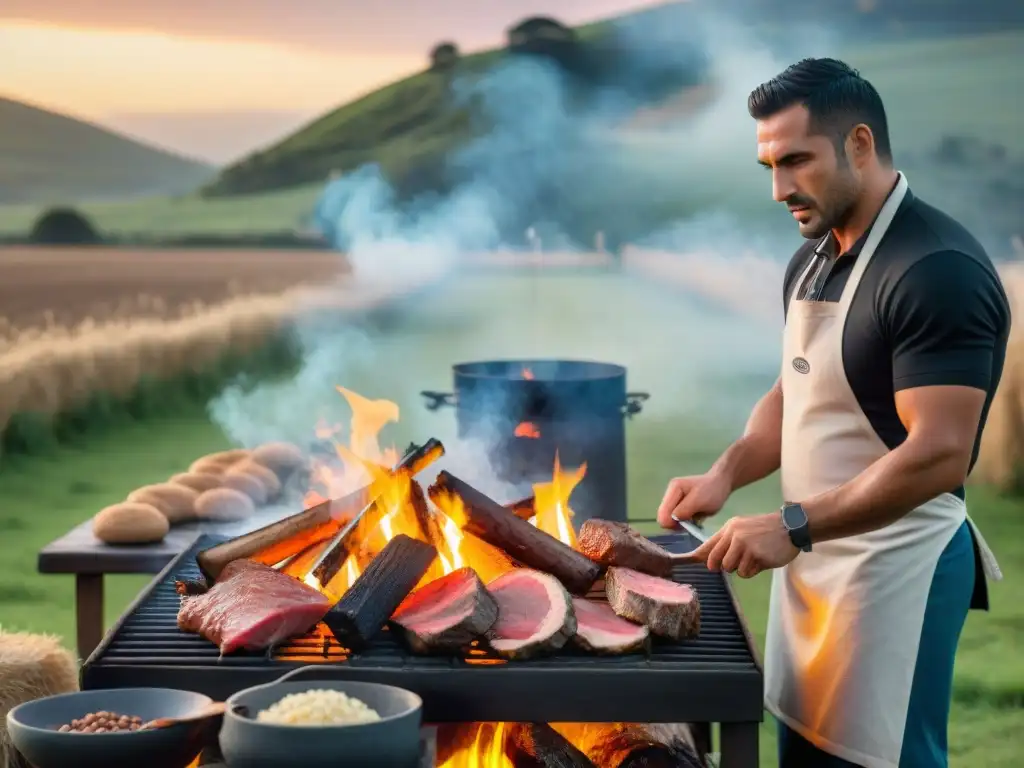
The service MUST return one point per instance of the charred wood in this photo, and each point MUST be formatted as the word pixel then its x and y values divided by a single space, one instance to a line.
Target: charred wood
pixel 284 539
pixel 524 509
pixel 387 581
pixel 495 524
pixel 538 745
pixel 415 460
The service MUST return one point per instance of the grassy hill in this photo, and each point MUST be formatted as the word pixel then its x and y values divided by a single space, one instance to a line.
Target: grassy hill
pixel 410 126
pixel 46 157
pixel 937 82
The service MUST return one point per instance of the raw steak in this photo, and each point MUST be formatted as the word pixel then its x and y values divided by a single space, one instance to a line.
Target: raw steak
pixel 534 614
pixel 668 609
pixel 252 606
pixel 600 630
pixel 448 613
pixel 609 543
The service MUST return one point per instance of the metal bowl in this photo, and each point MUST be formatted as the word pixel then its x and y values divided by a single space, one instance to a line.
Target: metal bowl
pixel 391 742
pixel 33 729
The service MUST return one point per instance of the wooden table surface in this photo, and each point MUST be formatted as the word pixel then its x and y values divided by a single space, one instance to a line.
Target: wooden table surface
pixel 80 553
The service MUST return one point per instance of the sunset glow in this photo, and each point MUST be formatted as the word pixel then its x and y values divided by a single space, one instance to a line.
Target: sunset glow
pixel 94 72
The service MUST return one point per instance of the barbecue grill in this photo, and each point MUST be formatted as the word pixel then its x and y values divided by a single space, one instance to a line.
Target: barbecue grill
pixel 526 410
pixel 715 678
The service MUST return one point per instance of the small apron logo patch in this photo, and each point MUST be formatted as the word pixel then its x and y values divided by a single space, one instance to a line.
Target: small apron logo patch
pixel 800 365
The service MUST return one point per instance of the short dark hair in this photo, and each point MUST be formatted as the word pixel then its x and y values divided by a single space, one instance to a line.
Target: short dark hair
pixel 834 94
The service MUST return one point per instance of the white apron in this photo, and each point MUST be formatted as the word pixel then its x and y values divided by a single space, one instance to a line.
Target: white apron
pixel 845 619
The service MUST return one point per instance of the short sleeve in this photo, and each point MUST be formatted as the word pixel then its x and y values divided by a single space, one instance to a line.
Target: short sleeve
pixel 947 319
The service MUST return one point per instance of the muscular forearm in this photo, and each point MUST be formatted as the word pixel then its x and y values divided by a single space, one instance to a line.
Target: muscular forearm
pixel 759 452
pixel 902 480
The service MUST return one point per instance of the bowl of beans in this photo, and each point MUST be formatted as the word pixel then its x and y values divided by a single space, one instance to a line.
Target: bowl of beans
pixel 98 729
pixel 315 723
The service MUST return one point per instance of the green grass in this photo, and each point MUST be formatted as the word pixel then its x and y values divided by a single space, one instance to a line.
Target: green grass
pixel 271 212
pixel 688 354
pixel 43 498
pixel 50 158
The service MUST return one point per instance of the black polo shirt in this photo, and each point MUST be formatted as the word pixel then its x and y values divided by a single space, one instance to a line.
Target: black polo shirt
pixel 930 310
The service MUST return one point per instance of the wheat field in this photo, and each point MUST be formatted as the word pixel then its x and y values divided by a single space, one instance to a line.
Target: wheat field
pixel 81 321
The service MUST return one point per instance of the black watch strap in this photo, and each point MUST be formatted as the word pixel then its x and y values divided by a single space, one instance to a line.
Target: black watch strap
pixel 794 519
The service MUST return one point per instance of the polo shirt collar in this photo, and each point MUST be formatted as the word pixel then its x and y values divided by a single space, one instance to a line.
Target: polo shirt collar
pixel 828 248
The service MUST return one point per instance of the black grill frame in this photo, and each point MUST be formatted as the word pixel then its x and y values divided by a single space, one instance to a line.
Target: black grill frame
pixel 716 678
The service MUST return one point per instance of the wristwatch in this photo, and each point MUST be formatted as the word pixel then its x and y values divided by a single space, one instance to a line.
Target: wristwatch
pixel 794 520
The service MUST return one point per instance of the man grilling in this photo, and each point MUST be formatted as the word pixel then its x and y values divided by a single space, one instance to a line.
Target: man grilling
pixel 896 328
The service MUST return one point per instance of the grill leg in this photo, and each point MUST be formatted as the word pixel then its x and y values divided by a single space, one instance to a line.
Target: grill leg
pixel 88 612
pixel 739 745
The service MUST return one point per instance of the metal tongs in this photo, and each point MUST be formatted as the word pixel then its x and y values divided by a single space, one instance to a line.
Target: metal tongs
pixel 696 531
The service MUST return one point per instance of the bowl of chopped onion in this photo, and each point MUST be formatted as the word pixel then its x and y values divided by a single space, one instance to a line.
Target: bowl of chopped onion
pixel 318 722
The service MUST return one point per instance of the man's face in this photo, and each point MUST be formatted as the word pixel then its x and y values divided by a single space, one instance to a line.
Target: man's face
pixel 818 186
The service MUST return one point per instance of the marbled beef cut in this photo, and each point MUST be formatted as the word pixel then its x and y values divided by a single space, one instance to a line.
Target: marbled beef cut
pixel 535 614
pixel 600 630
pixel 252 606
pixel 611 543
pixel 447 614
pixel 668 609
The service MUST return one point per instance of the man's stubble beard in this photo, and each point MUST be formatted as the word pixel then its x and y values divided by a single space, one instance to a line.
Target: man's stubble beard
pixel 836 212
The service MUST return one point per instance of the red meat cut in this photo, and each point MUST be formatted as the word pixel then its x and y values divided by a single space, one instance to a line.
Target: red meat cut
pixel 535 614
pixel 611 543
pixel 252 606
pixel 668 609
pixel 601 630
pixel 448 613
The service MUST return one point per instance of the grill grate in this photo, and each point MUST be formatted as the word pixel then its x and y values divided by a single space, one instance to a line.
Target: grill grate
pixel 714 678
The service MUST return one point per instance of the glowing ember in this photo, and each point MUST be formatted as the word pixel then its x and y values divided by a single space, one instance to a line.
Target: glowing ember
pixel 527 429
pixel 553 515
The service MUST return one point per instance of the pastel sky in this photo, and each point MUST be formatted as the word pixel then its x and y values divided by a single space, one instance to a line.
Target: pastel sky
pixel 215 79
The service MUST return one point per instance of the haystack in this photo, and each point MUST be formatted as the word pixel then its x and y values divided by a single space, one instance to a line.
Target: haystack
pixel 31 667
pixel 1001 459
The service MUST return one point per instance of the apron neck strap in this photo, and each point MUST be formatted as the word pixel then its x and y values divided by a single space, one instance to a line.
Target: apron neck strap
pixel 878 230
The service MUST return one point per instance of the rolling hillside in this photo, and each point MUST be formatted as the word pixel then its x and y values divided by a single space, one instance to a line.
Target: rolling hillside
pixel 410 126
pixel 46 158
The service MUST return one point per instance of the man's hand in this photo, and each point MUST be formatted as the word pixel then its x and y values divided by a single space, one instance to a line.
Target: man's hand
pixel 693 498
pixel 749 545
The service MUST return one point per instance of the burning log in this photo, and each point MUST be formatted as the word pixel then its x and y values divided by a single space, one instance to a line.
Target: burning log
pixel 490 521
pixel 538 745
pixel 277 542
pixel 380 589
pixel 333 556
pixel 524 509
pixel 655 746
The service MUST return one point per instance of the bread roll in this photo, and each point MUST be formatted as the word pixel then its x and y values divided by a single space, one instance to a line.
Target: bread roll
pixel 281 458
pixel 224 504
pixel 247 484
pixel 197 481
pixel 130 523
pixel 217 463
pixel 266 476
pixel 176 502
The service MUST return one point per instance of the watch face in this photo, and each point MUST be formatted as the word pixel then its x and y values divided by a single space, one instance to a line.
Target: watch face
pixel 793 516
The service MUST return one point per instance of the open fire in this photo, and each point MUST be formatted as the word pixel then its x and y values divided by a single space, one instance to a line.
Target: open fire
pixel 396 507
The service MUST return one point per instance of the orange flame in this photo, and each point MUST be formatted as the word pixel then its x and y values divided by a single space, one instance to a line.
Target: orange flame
pixel 351 472
pixel 552 513
pixel 485 749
